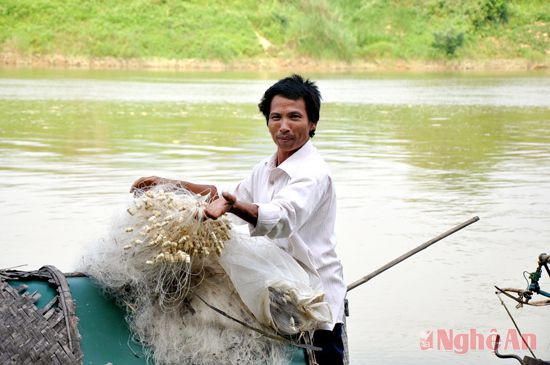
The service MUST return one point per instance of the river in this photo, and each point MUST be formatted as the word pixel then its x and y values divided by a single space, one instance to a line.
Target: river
pixel 411 154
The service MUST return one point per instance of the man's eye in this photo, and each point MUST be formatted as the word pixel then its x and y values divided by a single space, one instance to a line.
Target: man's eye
pixel 275 117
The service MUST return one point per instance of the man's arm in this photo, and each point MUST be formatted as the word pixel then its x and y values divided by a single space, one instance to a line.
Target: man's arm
pixel 219 205
pixel 228 203
pixel 292 206
pixel 146 183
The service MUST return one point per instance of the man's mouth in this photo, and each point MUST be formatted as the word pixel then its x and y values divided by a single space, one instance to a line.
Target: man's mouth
pixel 284 138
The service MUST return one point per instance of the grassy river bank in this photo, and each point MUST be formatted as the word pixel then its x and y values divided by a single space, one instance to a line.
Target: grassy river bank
pixel 322 35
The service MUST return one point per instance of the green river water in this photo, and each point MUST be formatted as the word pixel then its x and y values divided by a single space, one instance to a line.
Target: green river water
pixel 411 154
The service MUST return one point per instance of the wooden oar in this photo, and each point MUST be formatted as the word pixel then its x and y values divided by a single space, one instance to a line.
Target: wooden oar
pixel 405 256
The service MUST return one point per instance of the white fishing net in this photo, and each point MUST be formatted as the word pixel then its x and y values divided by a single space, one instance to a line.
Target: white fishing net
pixel 163 256
pixel 276 289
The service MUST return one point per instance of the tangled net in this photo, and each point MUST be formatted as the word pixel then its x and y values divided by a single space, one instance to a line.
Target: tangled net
pixel 159 258
pixel 192 333
pixel 162 260
pixel 167 239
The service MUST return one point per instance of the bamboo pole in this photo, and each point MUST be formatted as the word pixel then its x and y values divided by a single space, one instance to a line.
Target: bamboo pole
pixel 416 250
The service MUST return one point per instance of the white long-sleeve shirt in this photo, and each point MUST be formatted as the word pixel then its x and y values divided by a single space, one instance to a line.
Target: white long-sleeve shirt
pixel 297 209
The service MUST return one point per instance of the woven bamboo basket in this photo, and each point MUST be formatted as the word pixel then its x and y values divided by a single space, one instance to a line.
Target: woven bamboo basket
pixel 32 335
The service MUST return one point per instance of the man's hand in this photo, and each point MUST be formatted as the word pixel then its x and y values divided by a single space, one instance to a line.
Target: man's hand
pixel 146 183
pixel 220 206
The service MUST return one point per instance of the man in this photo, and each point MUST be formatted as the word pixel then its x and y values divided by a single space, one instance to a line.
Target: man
pixel 289 197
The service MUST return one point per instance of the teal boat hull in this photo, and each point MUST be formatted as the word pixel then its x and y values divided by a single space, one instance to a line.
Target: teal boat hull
pixel 105 336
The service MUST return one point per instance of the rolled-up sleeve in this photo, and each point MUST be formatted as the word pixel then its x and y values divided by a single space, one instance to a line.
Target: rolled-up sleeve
pixel 290 208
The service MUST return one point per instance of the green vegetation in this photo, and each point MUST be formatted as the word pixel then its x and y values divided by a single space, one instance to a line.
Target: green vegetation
pixel 449 42
pixel 248 29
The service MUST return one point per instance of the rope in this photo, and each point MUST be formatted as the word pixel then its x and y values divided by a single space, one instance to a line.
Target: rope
pixel 308 339
pixel 515 325
pixel 269 335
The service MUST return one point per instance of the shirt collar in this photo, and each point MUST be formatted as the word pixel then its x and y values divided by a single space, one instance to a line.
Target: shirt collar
pixel 292 164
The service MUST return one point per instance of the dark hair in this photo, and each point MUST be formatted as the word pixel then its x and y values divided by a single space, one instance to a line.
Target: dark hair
pixel 294 87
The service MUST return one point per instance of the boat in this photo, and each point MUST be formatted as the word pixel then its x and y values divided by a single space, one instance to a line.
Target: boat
pixel 50 317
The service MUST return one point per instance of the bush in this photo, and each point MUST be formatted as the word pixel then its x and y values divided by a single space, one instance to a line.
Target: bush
pixel 448 42
pixel 490 11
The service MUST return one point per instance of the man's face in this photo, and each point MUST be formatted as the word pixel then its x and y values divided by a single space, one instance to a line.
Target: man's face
pixel 288 124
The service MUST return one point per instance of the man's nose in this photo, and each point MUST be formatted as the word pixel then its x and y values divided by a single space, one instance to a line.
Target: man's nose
pixel 284 125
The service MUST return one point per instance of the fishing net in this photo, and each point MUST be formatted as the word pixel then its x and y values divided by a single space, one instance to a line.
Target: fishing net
pixel 162 260
pixel 158 246
pixel 276 289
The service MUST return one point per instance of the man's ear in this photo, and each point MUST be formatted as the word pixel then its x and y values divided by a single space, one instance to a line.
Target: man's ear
pixel 312 126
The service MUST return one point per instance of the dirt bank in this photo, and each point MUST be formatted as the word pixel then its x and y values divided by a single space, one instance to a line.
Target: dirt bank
pixel 8 60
